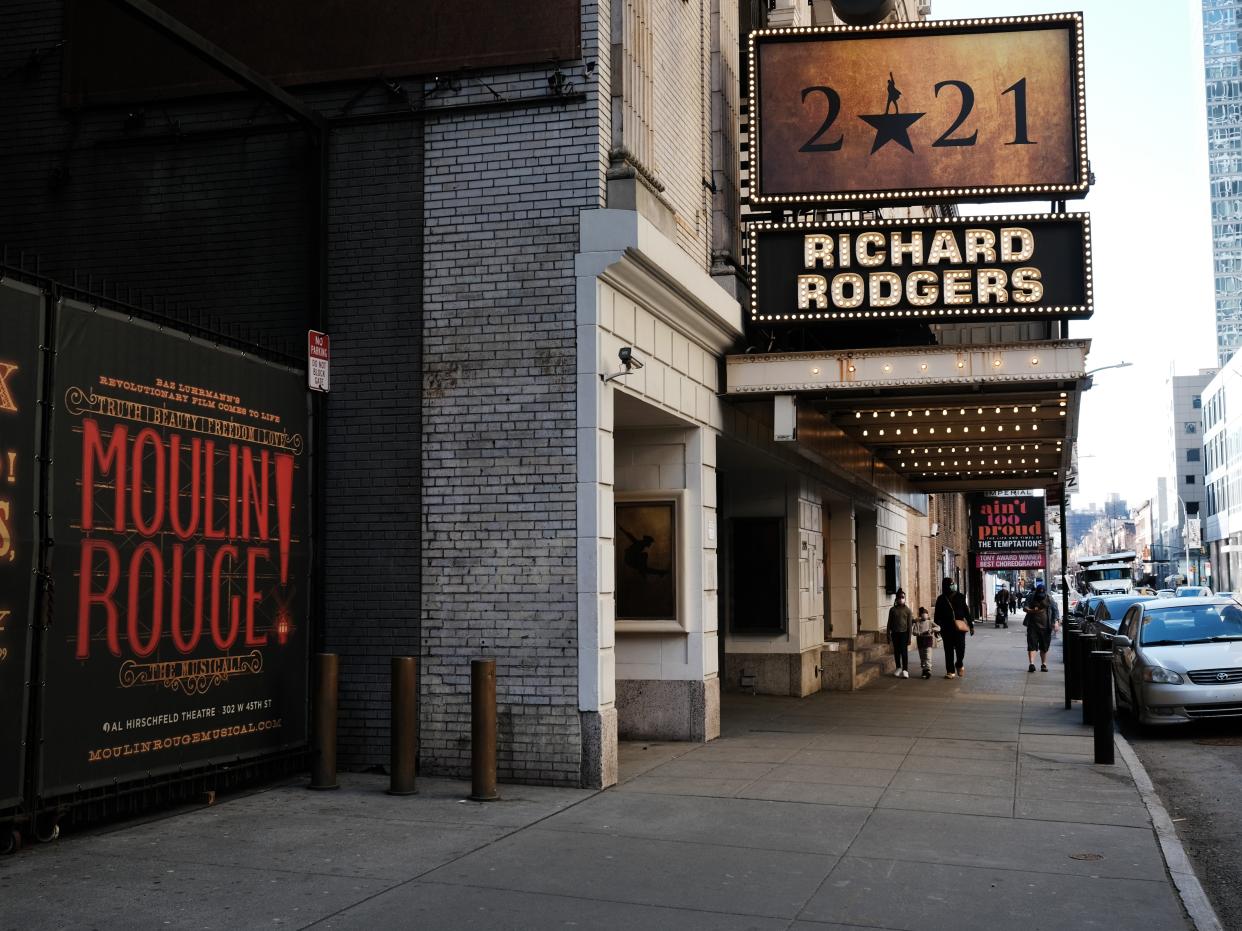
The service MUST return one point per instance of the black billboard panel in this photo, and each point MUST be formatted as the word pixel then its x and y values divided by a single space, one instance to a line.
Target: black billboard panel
pixel 948 270
pixel 21 316
pixel 112 55
pixel 180 513
pixel 1007 531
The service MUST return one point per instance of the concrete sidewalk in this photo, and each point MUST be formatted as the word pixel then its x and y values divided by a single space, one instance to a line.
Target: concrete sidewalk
pixel 955 804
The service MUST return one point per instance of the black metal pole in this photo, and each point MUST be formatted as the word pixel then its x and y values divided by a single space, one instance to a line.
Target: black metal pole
pixel 1086 646
pixel 1069 653
pixel 483 730
pixel 1102 706
pixel 404 723
pixel 1064 564
pixel 323 739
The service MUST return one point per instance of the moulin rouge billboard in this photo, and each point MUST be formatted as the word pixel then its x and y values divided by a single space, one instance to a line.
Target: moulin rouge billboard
pixel 1007 531
pixel 21 310
pixel 179 634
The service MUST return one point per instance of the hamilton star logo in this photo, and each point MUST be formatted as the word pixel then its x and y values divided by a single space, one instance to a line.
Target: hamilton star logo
pixel 895 126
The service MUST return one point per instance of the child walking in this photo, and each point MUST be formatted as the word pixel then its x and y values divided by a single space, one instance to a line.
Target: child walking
pixel 925 631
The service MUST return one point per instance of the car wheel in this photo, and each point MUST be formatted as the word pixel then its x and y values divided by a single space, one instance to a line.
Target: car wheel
pixel 1120 705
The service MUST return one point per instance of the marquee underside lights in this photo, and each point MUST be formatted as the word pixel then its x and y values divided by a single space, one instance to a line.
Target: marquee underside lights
pixel 993 268
pixel 955 110
pixel 930 368
pixel 963 444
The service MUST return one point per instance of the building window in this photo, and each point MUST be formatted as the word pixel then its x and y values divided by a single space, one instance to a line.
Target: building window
pixel 1191 426
pixel 1190 479
pixel 1192 455
pixel 757 575
pixel 1197 402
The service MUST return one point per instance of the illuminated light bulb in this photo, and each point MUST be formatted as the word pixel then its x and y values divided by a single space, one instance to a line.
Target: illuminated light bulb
pixel 814 371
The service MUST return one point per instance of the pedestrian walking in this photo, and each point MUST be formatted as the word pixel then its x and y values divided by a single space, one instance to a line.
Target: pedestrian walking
pixel 925 631
pixel 1002 608
pixel 952 616
pixel 899 623
pixel 1039 627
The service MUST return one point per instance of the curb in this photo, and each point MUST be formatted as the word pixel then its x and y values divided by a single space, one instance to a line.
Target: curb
pixel 1194 899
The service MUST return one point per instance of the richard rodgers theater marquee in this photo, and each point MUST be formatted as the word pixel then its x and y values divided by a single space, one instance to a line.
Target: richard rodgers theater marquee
pixel 995 267
pixel 970 382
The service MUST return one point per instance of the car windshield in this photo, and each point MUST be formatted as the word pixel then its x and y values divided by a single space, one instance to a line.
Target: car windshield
pixel 1191 624
pixel 1119 606
pixel 1105 575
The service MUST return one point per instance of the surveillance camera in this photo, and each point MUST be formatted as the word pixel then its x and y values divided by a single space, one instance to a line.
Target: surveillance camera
pixel 628 359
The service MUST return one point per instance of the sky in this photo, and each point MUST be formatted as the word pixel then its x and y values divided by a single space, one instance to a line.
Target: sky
pixel 1147 140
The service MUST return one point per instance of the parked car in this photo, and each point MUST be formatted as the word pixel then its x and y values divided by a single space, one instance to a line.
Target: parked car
pixel 1164 593
pixel 1226 595
pixel 1179 660
pixel 1086 607
pixel 1193 591
pixel 1110 610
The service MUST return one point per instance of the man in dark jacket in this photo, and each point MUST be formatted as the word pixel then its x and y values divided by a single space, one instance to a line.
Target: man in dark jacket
pixel 951 608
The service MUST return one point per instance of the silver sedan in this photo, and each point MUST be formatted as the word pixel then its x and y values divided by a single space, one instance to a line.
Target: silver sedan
pixel 1180 660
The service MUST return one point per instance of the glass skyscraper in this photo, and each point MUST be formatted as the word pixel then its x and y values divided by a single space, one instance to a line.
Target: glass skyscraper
pixel 1222 22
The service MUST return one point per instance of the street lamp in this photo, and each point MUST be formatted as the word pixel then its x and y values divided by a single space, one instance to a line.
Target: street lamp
pixel 1103 368
pixel 1185 534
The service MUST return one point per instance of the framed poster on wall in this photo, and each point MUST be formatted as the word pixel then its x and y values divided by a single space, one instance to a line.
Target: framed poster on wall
pixel 647 554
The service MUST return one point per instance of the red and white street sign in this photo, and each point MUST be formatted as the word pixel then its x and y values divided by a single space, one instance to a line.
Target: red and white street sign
pixel 317 354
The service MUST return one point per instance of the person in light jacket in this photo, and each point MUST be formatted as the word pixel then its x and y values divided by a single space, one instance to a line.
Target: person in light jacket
pixel 925 631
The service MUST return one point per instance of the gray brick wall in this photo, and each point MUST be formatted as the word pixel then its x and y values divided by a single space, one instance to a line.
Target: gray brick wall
pixel 503 195
pixel 373 468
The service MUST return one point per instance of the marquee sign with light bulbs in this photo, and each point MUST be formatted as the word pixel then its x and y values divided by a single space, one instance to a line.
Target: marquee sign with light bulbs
pixel 951 111
pixel 991 268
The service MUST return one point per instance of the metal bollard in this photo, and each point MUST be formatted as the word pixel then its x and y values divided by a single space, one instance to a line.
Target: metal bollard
pixel 1086 646
pixel 1069 651
pixel 483 730
pixel 1102 706
pixel 323 738
pixel 404 725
